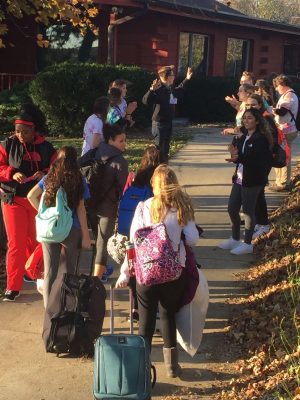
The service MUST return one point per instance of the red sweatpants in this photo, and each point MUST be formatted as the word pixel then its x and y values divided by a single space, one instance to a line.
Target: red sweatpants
pixel 19 219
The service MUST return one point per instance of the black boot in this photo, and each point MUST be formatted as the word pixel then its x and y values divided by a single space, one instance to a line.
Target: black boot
pixel 171 362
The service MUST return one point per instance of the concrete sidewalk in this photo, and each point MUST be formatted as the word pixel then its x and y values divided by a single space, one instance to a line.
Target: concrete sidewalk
pixel 28 373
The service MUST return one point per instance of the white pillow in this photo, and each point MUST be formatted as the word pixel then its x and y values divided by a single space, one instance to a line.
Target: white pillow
pixel 190 319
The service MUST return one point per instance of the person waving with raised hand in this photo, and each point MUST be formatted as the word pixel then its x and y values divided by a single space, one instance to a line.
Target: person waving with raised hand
pixel 163 97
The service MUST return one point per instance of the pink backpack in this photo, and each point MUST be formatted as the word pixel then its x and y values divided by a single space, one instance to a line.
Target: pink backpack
pixel 156 261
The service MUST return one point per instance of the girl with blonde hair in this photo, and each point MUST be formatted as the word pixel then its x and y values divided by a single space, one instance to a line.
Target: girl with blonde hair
pixel 172 206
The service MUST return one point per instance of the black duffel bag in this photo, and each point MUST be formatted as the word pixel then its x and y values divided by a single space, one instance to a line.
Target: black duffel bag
pixel 74 315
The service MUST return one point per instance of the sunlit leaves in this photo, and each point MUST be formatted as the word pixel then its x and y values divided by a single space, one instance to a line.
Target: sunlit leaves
pixel 78 13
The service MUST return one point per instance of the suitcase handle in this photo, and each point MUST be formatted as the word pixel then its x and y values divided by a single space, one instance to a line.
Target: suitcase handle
pixel 92 261
pixel 153 376
pixel 112 325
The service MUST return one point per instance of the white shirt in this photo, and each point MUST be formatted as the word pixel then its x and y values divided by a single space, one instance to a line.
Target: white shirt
pixel 286 123
pixel 142 217
pixel 93 125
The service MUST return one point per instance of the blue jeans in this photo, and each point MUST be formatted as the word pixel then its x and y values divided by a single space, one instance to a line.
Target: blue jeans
pixel 247 198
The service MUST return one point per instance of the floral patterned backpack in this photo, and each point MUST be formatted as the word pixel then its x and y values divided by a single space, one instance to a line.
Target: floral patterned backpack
pixel 156 261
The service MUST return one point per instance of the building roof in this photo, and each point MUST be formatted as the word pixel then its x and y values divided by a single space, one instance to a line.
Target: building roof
pixel 194 6
pixel 214 10
pixel 209 10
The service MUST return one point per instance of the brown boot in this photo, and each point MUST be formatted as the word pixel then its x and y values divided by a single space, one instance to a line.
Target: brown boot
pixel 171 362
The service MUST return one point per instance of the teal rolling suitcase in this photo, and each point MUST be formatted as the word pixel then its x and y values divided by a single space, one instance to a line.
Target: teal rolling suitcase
pixel 122 367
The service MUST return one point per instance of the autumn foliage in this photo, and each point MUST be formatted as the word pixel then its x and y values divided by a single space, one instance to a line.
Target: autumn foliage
pixel 80 13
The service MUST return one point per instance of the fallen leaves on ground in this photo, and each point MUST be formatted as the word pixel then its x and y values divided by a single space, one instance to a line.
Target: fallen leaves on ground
pixel 268 327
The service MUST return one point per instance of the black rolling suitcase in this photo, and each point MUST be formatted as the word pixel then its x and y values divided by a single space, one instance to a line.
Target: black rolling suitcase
pixel 74 314
pixel 122 366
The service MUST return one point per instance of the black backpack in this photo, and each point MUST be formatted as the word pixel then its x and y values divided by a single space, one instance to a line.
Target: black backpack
pixel 97 175
pixel 74 315
pixel 297 117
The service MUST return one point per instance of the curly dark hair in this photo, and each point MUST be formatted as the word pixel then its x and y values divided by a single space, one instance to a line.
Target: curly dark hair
pixel 64 172
pixel 148 163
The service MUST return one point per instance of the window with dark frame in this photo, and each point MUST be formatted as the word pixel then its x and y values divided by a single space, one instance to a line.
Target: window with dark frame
pixel 291 59
pixel 237 57
pixel 193 52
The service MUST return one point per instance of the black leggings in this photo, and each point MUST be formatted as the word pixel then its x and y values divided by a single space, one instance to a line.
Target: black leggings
pixel 132 286
pixel 103 228
pixel 168 297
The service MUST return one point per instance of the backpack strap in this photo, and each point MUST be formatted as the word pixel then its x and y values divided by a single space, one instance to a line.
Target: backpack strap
pixel 292 115
pixel 142 213
pixel 117 108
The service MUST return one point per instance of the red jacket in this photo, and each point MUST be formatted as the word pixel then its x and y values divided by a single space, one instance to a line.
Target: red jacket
pixel 26 158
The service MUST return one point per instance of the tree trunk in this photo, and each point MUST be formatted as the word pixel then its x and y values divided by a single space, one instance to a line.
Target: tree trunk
pixel 86 46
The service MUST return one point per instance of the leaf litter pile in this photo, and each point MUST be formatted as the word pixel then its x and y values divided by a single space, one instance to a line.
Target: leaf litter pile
pixel 268 327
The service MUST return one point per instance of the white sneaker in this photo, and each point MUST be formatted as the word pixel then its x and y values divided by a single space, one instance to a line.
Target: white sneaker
pixel 242 248
pixel 260 231
pixel 229 244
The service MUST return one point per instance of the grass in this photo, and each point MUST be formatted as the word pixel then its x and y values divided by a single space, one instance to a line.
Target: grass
pixel 135 147
pixel 136 144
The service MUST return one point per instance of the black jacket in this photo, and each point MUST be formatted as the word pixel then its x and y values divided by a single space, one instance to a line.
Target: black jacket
pixel 163 111
pixel 256 159
pixel 28 159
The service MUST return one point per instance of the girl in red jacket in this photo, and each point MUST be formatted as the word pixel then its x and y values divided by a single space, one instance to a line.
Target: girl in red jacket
pixel 24 159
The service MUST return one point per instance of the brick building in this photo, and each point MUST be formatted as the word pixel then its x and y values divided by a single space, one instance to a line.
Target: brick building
pixel 214 39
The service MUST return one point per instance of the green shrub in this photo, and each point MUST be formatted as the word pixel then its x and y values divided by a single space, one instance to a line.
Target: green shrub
pixel 10 102
pixel 66 93
pixel 203 99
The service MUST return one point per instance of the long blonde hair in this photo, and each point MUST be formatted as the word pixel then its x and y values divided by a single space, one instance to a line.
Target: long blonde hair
pixel 169 194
